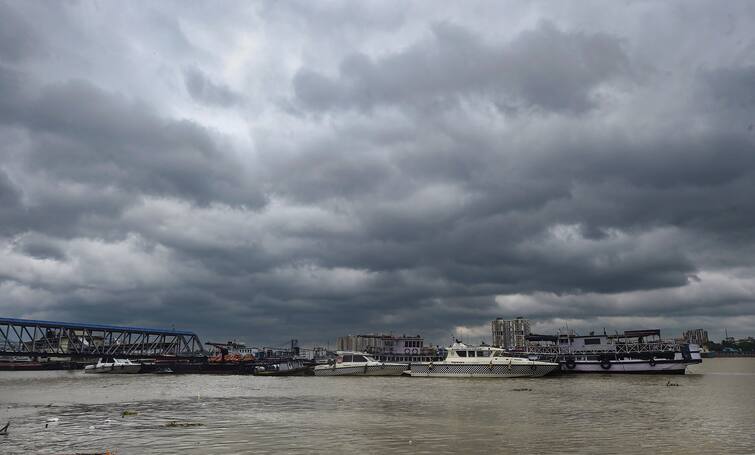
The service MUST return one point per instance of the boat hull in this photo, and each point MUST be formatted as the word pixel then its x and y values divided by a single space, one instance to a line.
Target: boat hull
pixel 362 370
pixel 114 369
pixel 627 366
pixel 481 370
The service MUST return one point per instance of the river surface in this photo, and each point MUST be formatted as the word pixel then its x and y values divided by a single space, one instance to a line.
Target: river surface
pixel 712 410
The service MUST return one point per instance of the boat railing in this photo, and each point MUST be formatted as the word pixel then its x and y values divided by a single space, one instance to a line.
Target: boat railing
pixel 622 348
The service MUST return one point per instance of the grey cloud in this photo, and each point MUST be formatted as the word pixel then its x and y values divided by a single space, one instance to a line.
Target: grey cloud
pixel 18 39
pixel 86 135
pixel 544 68
pixel 202 89
pixel 733 85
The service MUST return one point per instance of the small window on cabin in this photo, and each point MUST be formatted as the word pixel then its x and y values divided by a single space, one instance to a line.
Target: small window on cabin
pixel 471 353
pixel 483 354
pixel 347 358
pixel 461 353
pixel 563 341
pixel 592 340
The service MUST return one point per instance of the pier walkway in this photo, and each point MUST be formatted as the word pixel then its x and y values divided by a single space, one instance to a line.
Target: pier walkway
pixel 23 337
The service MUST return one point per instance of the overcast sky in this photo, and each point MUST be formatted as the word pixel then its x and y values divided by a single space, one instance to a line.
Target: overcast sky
pixel 269 170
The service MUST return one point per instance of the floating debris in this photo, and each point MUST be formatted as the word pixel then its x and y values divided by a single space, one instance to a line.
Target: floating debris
pixel 175 423
pixel 52 419
pixel 129 413
pixel 4 430
pixel 522 390
pixel 671 384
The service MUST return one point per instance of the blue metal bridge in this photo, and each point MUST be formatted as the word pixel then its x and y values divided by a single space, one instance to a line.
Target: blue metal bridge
pixel 23 337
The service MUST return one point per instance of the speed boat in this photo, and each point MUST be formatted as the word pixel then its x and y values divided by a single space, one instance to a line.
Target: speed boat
pixel 463 361
pixel 117 366
pixel 359 364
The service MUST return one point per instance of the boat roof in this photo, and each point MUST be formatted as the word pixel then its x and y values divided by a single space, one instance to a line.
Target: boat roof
pixel 459 346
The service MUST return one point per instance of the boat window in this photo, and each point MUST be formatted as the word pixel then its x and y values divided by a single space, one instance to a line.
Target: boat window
pixel 346 358
pixel 359 358
pixel 471 353
pixel 592 340
pixel 483 353
pixel 461 353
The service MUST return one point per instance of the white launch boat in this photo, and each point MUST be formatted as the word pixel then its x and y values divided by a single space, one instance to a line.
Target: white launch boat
pixel 359 364
pixel 117 366
pixel 463 361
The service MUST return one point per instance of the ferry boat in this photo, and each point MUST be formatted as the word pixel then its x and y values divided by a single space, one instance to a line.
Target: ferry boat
pixel 117 366
pixel 634 351
pixel 463 361
pixel 359 364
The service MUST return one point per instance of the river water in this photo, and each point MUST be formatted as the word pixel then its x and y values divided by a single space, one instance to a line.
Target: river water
pixel 712 410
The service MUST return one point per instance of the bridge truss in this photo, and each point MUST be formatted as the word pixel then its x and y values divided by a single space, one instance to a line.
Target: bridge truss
pixel 22 337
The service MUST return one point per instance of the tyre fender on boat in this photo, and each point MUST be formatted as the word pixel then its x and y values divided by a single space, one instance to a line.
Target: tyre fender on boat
pixel 651 362
pixel 570 363
pixel 509 365
pixel 430 366
pixel 490 365
pixel 605 364
pixel 533 367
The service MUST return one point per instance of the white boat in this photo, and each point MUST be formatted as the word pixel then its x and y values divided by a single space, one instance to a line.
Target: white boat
pixel 463 361
pixel 359 364
pixel 117 366
pixel 634 351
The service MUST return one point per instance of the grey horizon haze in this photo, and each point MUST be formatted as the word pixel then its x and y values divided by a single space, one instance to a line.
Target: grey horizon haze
pixel 274 170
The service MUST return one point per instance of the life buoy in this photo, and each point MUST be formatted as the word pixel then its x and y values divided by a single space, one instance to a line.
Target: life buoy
pixel 407 351
pixel 652 362
pixel 570 363
pixel 415 351
pixel 605 364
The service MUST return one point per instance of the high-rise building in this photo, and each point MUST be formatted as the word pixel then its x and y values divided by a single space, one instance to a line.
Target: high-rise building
pixel 696 336
pixel 510 333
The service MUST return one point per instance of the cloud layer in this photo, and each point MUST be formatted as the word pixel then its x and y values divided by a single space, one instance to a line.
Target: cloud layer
pixel 302 170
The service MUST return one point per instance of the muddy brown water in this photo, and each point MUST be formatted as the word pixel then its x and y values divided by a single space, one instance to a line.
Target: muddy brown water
pixel 712 410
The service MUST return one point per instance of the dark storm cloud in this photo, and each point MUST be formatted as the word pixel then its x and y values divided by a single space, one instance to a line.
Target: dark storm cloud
pixel 84 135
pixel 369 167
pixel 545 68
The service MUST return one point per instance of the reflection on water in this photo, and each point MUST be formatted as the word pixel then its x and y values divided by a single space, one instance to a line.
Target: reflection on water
pixel 711 411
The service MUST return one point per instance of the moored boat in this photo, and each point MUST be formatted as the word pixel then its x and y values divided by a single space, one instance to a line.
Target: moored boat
pixel 464 361
pixel 286 367
pixel 116 366
pixel 359 364
pixel 634 351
